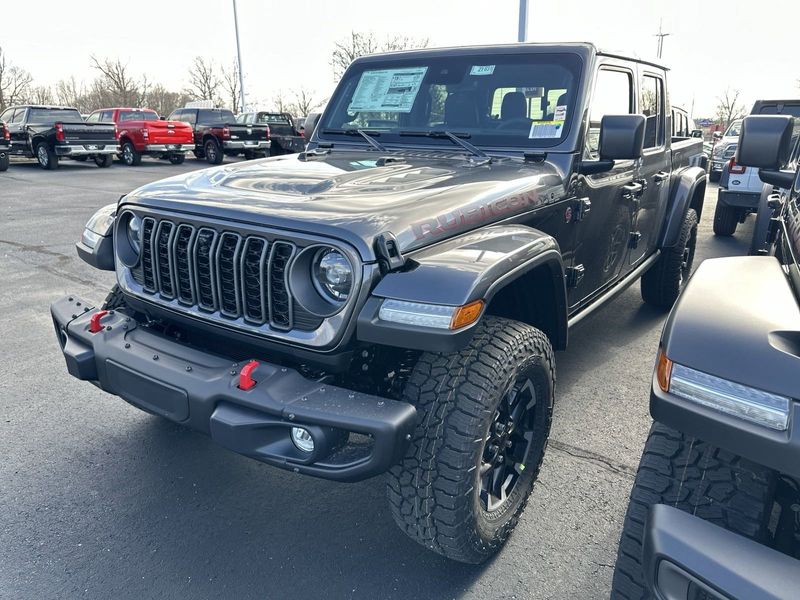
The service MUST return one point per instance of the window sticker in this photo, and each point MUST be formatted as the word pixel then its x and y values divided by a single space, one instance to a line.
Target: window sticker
pixel 387 90
pixel 534 92
pixel 481 70
pixel 546 129
pixel 561 113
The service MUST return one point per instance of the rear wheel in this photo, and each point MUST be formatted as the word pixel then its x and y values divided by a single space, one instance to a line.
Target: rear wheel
pixel 5 159
pixel 104 160
pixel 714 176
pixel 130 156
pixel 484 418
pixel 696 477
pixel 47 158
pixel 726 218
pixel 177 159
pixel 214 155
pixel 663 282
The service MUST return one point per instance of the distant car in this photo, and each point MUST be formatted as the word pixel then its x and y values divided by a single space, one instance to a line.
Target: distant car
pixel 284 134
pixel 141 133
pixel 5 146
pixel 218 134
pixel 722 151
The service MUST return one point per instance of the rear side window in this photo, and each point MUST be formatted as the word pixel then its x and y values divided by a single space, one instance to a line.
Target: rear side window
pixel 107 116
pixel 652 100
pixel 53 115
pixel 93 118
pixel 216 116
pixel 613 95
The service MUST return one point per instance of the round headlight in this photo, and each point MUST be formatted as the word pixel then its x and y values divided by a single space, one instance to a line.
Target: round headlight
pixel 134 232
pixel 332 274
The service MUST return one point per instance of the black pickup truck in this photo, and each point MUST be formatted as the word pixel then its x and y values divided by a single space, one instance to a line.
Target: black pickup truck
pixel 50 133
pixel 217 134
pixel 390 300
pixel 715 509
pixel 5 146
pixel 283 131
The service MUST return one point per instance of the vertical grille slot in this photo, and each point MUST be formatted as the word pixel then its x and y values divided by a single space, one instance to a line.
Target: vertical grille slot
pixel 148 272
pixel 228 250
pixel 254 299
pixel 163 259
pixel 204 276
pixel 182 252
pixel 280 301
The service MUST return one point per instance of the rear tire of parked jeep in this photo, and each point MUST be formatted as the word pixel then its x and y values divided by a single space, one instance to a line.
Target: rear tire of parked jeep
pixel 662 283
pixel 726 219
pixel 104 161
pixel 176 159
pixel 47 158
pixel 483 420
pixel 130 156
pixel 696 477
pixel 213 153
pixel 4 162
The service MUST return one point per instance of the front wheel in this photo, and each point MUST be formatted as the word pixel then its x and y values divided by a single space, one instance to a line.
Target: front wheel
pixel 726 219
pixel 46 158
pixel 104 160
pixel 176 159
pixel 213 153
pixel 5 160
pixel 663 282
pixel 483 421
pixel 696 477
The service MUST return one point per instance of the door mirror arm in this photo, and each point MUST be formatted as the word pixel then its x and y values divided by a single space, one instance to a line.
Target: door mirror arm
pixel 593 167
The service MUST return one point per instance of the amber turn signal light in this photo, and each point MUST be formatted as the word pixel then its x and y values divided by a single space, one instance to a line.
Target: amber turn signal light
pixel 466 315
pixel 663 370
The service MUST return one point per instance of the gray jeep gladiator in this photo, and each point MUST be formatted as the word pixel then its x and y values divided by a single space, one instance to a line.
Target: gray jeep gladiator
pixel 390 299
pixel 715 508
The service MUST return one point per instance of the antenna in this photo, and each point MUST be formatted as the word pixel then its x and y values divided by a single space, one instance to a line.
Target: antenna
pixel 661 35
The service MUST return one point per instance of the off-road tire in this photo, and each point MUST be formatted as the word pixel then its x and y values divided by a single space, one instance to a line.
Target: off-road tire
pixel 4 162
pixel 698 478
pixel 130 156
pixel 714 176
pixel 104 160
pixel 114 300
pixel 726 219
pixel 662 283
pixel 434 492
pixel 46 158
pixel 213 152
pixel 177 159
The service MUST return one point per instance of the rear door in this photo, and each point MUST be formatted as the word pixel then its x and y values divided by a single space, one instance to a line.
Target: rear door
pixel 15 121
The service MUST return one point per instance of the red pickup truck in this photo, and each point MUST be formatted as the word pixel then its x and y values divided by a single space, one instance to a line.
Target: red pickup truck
pixel 141 132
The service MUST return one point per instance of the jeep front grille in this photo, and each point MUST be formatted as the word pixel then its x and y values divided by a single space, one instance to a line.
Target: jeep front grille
pixel 236 276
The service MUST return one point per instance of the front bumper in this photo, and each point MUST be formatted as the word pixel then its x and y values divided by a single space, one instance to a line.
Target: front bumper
pixel 87 149
pixel 200 390
pixel 740 199
pixel 244 145
pixel 683 554
pixel 167 148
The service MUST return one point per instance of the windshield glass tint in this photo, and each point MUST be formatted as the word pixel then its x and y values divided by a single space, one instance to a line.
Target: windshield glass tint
pixel 216 116
pixel 52 115
pixel 518 100
pixel 138 115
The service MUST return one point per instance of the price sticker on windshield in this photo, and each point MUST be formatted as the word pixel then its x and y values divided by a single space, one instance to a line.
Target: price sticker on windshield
pixel 546 130
pixel 481 70
pixel 387 90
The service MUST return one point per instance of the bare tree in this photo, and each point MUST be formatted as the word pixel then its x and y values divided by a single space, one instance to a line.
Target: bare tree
pixel 230 84
pixel 279 102
pixel 15 83
pixel 204 83
pixel 41 94
pixel 304 102
pixel 71 93
pixel 729 108
pixel 164 101
pixel 360 44
pixel 116 86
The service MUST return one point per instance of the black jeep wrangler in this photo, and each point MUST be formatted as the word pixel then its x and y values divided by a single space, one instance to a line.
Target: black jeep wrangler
pixel 390 299
pixel 715 508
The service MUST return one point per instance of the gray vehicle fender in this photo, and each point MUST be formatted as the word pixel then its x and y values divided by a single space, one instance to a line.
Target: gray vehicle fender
pixel 687 191
pixel 475 266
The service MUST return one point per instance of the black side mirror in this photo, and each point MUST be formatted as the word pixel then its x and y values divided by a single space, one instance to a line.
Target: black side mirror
pixel 621 137
pixel 310 124
pixel 697 133
pixel 765 142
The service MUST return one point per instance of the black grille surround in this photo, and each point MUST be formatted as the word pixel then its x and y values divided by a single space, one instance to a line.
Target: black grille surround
pixel 230 274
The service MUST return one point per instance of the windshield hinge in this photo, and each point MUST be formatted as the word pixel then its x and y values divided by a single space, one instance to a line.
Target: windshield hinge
pixel 535 157
pixel 388 252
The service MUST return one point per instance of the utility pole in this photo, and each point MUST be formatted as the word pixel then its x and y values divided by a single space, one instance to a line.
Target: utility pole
pixel 661 35
pixel 523 21
pixel 239 56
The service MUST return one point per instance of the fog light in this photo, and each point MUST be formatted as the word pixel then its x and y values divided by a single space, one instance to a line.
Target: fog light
pixel 302 439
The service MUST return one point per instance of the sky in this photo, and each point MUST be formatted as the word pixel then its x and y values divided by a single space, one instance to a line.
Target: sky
pixel 712 46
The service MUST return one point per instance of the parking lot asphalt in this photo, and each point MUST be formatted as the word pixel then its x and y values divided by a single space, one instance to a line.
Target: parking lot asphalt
pixel 101 500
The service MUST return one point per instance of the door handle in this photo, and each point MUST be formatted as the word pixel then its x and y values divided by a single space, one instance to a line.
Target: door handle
pixel 661 176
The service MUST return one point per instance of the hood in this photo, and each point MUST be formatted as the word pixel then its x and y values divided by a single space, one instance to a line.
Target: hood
pixel 356 195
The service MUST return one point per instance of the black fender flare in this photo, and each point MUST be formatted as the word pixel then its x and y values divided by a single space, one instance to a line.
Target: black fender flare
pixel 682 193
pixel 469 267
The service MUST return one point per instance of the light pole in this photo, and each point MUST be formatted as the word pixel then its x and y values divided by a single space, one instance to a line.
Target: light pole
pixel 523 21
pixel 239 56
pixel 661 35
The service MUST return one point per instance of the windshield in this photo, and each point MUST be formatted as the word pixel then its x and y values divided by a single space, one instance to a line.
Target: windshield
pixel 215 115
pixel 138 115
pixel 517 100
pixel 53 115
pixel 734 129
pixel 272 118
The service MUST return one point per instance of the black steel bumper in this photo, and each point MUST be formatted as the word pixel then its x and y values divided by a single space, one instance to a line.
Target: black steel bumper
pixel 201 390
pixel 684 554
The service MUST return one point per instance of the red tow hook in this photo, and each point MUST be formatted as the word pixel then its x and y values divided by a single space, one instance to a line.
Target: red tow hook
pixel 94 321
pixel 246 381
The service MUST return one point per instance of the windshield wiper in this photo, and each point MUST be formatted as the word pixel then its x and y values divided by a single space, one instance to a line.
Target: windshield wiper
pixel 456 138
pixel 370 140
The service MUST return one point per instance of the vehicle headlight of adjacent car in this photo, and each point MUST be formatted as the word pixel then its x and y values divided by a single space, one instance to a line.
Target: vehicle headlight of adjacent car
pixel 99 225
pixel 728 397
